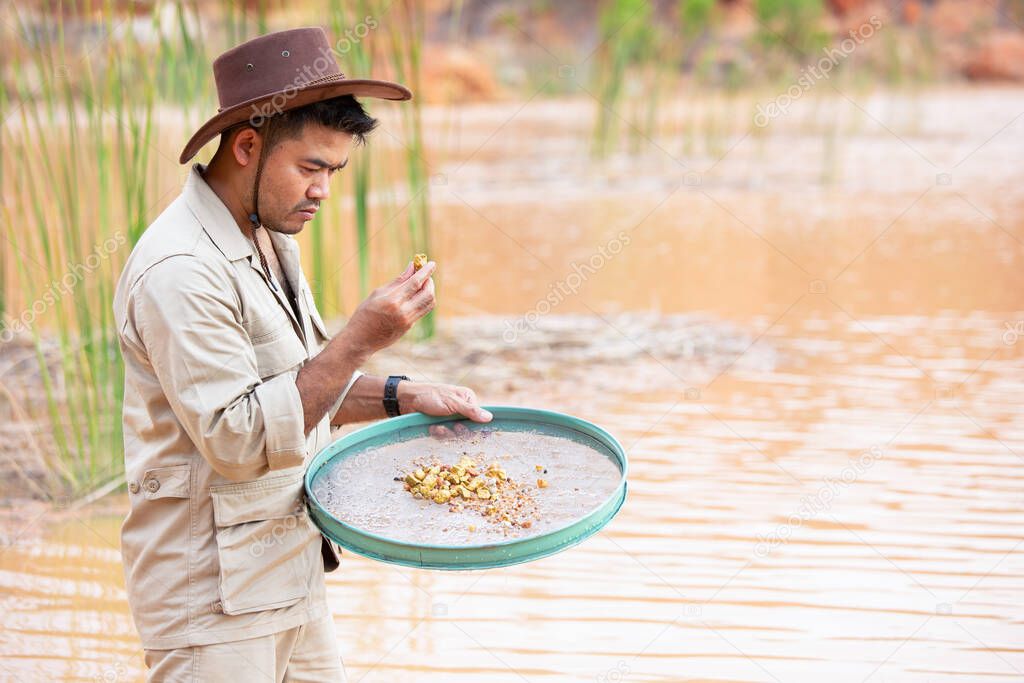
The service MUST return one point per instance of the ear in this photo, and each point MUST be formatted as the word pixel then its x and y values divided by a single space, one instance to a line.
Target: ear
pixel 245 145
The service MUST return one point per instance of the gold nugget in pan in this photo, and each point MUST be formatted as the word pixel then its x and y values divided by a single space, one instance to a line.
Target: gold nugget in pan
pixel 418 261
pixel 489 492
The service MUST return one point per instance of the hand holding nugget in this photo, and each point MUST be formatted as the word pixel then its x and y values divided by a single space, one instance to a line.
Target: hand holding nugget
pixel 392 309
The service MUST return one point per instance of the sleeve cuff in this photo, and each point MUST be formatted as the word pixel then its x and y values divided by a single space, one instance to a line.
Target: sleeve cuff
pixel 341 399
pixel 283 421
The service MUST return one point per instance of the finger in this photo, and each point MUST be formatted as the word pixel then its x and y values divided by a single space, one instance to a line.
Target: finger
pixel 461 430
pixel 422 303
pixel 419 278
pixel 393 285
pixel 474 412
pixel 409 270
pixel 425 292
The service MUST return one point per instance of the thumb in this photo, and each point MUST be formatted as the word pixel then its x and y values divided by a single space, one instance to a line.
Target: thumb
pixel 475 412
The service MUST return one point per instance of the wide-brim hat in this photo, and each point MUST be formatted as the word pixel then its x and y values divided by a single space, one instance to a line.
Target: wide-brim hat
pixel 277 72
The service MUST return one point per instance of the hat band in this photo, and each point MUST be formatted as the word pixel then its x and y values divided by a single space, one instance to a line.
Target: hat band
pixel 317 81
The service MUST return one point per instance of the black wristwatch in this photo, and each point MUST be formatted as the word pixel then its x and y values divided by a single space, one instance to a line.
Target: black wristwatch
pixel 391 394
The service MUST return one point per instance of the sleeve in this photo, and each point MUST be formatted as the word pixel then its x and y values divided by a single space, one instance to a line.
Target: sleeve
pixel 318 323
pixel 188 319
pixel 333 412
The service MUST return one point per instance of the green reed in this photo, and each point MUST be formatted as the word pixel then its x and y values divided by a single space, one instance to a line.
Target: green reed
pixel 65 151
pixel 358 58
pixel 627 39
pixel 405 38
pixel 792 28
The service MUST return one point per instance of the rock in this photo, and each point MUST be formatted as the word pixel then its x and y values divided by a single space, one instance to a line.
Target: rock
pixel 912 12
pixel 453 73
pixel 999 58
pixel 843 7
pixel 958 18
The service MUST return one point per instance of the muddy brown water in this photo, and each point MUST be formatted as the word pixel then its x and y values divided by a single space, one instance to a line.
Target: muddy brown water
pixel 826 449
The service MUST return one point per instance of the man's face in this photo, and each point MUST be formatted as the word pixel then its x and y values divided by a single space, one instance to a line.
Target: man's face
pixel 297 175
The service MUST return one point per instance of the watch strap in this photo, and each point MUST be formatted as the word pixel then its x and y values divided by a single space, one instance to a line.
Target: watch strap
pixel 391 394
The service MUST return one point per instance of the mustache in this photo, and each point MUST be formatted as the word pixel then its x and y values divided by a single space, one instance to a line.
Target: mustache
pixel 308 207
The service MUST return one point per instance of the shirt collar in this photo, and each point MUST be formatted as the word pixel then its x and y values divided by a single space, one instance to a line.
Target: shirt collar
pixel 214 216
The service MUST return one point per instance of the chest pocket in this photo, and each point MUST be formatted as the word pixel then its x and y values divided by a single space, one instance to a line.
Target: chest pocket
pixel 274 341
pixel 277 354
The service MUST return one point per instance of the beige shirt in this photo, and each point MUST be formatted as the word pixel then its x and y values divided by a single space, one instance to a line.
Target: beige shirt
pixel 217 544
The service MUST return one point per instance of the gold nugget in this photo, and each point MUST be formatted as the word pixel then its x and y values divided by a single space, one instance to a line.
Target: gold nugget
pixel 467 485
pixel 418 261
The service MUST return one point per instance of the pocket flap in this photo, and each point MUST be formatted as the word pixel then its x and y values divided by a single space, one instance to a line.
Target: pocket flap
pixel 167 482
pixel 277 354
pixel 251 501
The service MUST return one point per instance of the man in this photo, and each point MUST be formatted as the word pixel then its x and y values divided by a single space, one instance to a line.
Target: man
pixel 232 382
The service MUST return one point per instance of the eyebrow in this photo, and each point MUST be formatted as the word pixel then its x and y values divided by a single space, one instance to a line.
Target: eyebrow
pixel 320 163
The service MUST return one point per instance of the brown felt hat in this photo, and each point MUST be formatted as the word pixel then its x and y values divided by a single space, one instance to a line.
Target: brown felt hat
pixel 277 72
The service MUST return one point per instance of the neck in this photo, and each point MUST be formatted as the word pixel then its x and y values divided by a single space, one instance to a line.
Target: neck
pixel 226 186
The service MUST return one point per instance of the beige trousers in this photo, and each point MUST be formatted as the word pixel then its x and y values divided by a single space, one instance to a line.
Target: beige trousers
pixel 304 654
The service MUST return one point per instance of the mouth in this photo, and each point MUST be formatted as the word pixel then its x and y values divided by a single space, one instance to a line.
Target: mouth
pixel 307 214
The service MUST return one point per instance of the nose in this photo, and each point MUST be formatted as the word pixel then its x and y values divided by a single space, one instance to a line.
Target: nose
pixel 319 189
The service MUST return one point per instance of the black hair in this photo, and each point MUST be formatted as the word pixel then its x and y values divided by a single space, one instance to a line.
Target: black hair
pixel 343 113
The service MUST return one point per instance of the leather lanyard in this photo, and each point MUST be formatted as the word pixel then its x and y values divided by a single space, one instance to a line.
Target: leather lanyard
pixel 254 217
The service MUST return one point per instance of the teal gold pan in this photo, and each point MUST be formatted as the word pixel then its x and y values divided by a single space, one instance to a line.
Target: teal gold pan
pixel 468 555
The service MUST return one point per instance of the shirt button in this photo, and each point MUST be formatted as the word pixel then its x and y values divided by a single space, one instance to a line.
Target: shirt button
pixel 133 486
pixel 153 485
